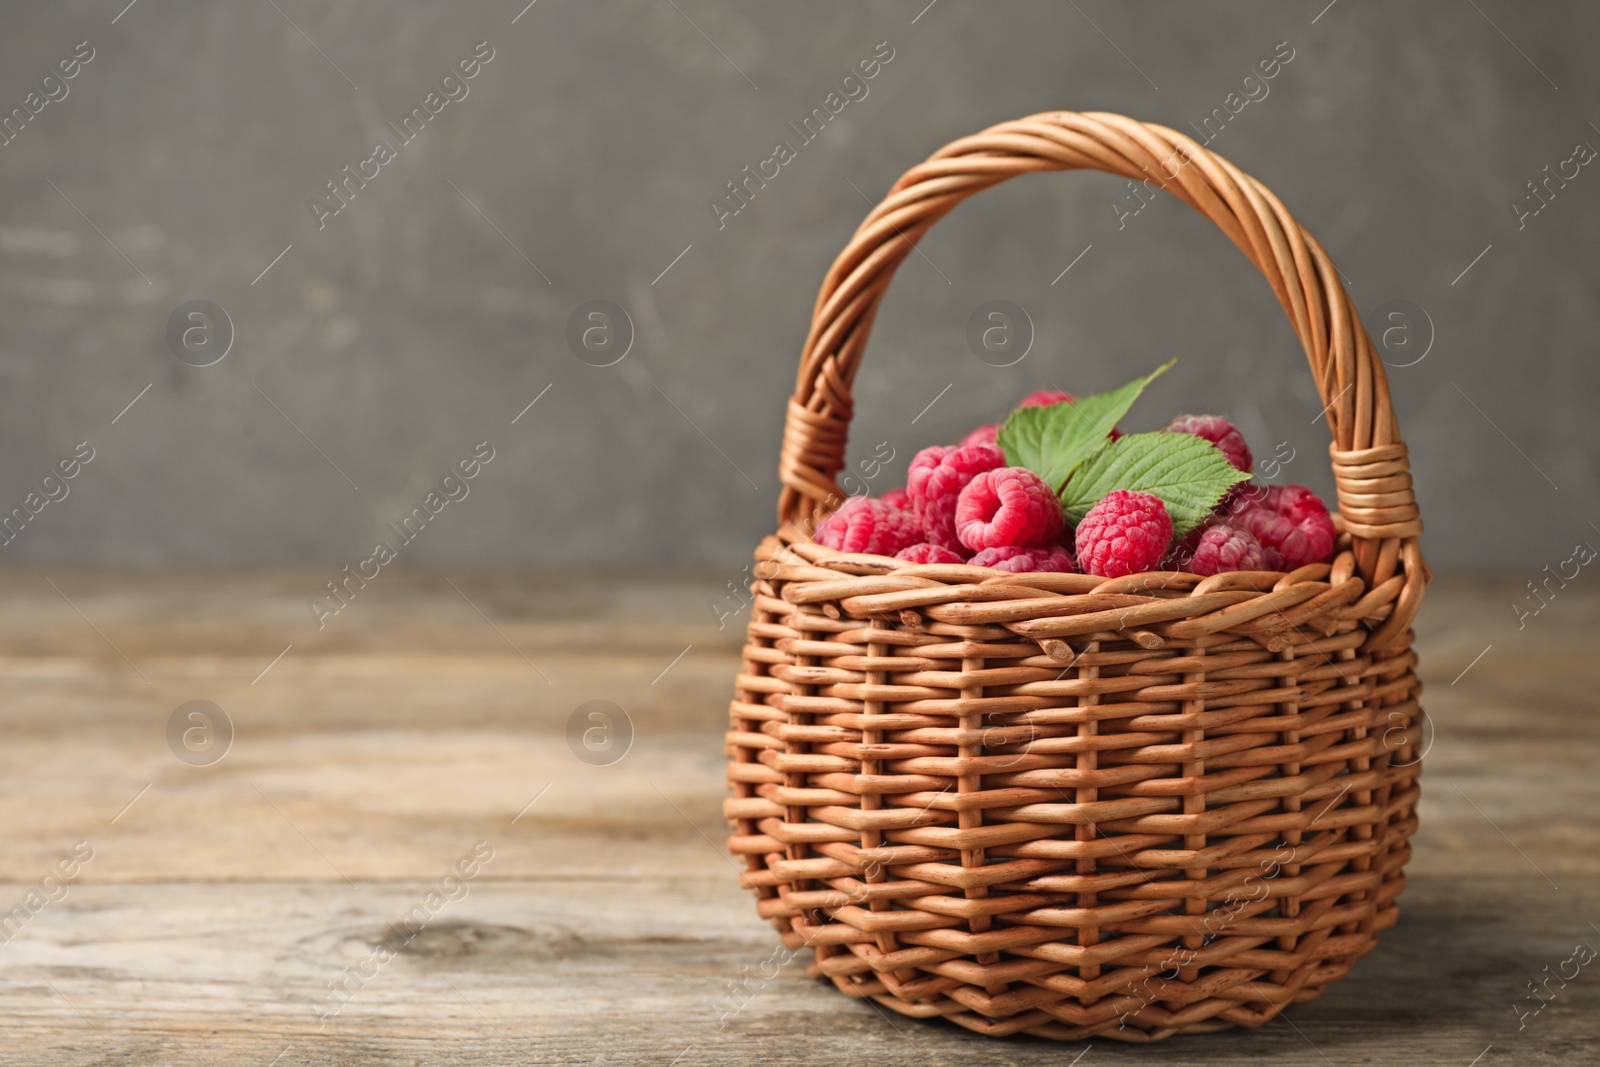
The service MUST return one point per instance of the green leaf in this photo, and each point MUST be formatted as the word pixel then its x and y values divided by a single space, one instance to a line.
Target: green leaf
pixel 1052 441
pixel 1188 473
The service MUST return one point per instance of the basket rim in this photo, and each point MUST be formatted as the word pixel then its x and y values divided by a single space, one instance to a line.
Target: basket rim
pixel 1153 606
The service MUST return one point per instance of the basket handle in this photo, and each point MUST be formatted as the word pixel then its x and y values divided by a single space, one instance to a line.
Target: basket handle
pixel 1370 465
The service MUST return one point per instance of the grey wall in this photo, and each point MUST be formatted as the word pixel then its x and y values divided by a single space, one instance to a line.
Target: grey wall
pixel 425 315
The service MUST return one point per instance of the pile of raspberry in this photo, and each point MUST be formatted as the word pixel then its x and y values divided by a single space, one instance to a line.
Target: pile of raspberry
pixel 962 504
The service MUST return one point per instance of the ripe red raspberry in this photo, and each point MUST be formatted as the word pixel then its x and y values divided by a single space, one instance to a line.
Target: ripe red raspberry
pixel 1043 398
pixel 1220 546
pixel 1270 531
pixel 1239 497
pixel 1296 502
pixel 1314 533
pixel 1017 560
pixel 863 524
pixel 1181 552
pixel 983 435
pixel 1220 432
pixel 1010 507
pixel 923 464
pixel 1292 524
pixel 1125 533
pixel 897 498
pixel 923 552
pixel 934 484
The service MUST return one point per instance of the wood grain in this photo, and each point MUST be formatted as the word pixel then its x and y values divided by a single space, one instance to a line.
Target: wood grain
pixel 608 927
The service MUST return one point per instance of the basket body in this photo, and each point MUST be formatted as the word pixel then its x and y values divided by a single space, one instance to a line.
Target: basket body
pixel 1174 826
pixel 1064 805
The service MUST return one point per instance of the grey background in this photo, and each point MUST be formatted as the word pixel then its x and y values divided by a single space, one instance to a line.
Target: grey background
pixel 413 326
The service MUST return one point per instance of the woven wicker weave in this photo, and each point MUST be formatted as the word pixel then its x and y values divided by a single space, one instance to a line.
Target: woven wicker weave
pixel 1059 804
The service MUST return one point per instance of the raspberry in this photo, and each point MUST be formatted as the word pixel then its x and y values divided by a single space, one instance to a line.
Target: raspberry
pixel 923 552
pixel 1294 501
pixel 1045 397
pixel 922 465
pixel 1016 560
pixel 1181 553
pixel 863 524
pixel 1220 432
pixel 983 435
pixel 897 498
pixel 1239 497
pixel 935 481
pixel 1010 507
pixel 1125 533
pixel 1292 524
pixel 1270 531
pixel 1220 546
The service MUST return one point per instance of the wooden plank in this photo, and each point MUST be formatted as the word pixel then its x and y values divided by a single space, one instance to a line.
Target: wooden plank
pixel 643 971
pixel 608 927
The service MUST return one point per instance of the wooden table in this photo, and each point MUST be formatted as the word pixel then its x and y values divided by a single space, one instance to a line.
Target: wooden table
pixel 253 909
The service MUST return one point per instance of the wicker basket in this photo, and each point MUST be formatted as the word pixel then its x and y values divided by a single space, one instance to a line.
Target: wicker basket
pixel 1063 805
